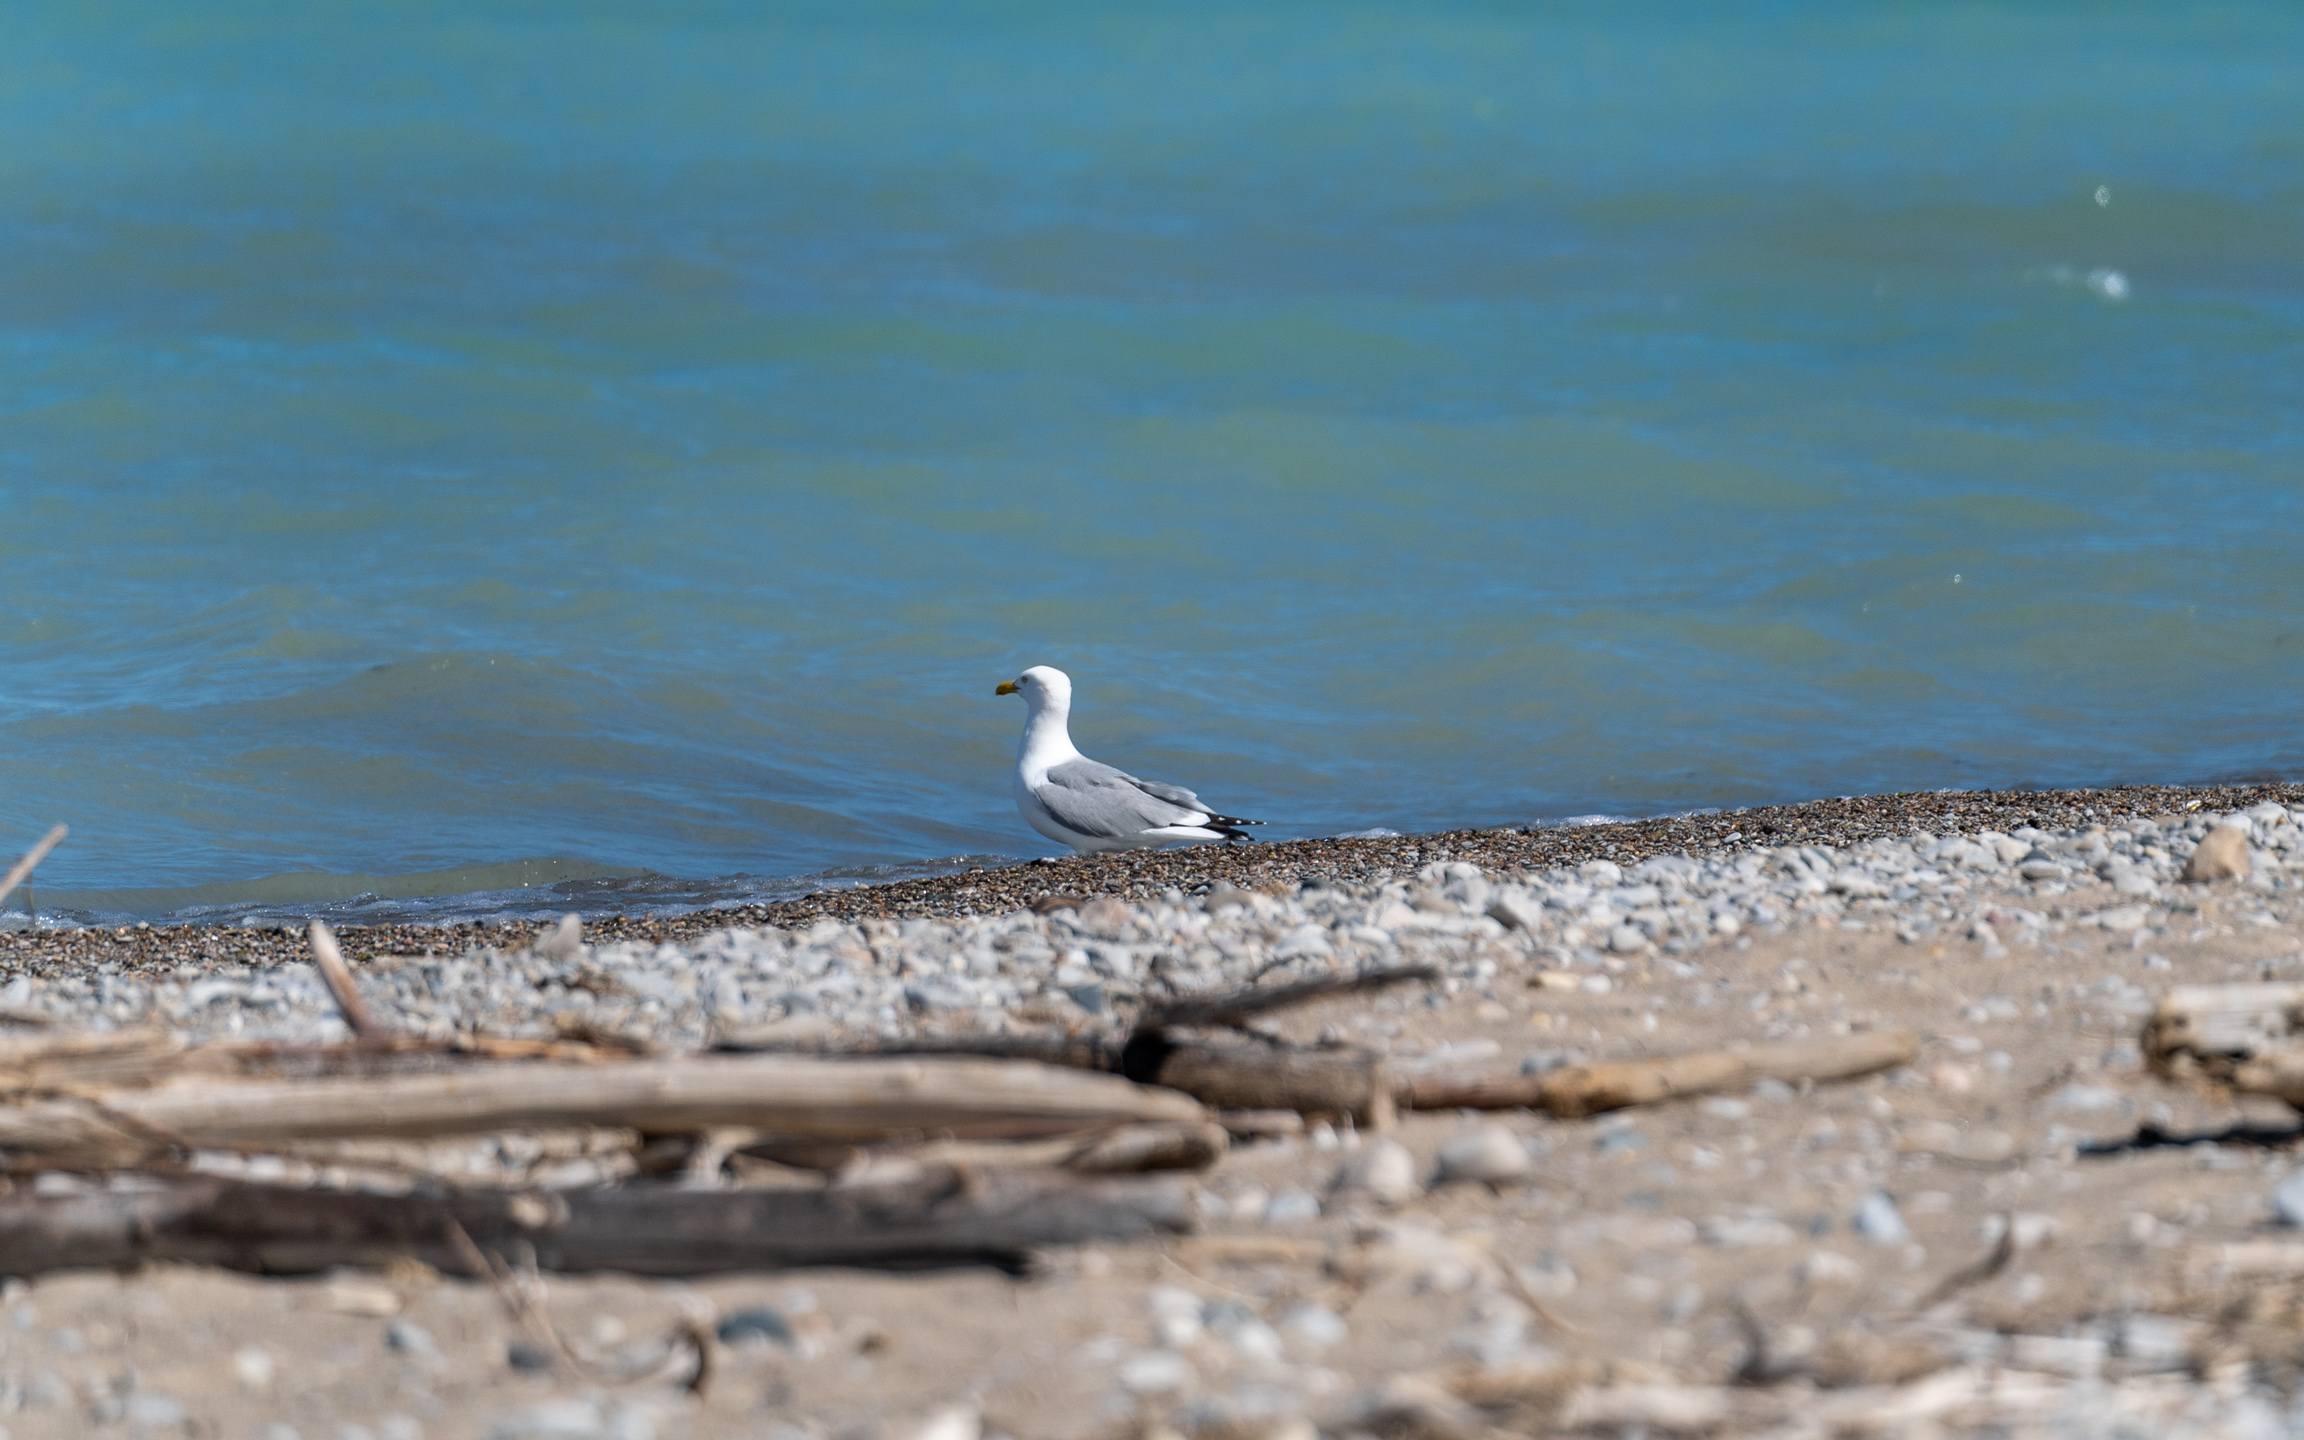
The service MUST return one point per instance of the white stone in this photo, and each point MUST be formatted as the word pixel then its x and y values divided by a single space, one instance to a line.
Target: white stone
pixel 1490 1154
pixel 1877 1220
pixel 1381 1170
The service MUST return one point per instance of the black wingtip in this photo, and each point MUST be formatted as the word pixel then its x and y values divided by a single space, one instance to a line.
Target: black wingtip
pixel 1229 828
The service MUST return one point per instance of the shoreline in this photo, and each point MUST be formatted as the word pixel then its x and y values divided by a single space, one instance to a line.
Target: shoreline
pixel 2025 1230
pixel 1144 874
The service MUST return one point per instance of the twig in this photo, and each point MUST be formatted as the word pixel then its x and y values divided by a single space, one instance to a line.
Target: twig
pixel 1995 1261
pixel 339 981
pixel 1527 1295
pixel 521 1295
pixel 1235 1007
pixel 32 857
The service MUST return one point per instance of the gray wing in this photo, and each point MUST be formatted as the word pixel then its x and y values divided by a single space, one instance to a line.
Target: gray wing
pixel 1173 794
pixel 1098 800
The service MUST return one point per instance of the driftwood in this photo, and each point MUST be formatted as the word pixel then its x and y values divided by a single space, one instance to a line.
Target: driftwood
pixel 951 1216
pixel 1238 1007
pixel 856 1100
pixel 338 978
pixel 2249 1038
pixel 1224 1073
pixel 1578 1090
pixel 87 1061
pixel 1090 1051
pixel 1342 1082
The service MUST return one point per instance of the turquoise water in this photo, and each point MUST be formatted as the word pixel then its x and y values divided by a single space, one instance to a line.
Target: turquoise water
pixel 605 455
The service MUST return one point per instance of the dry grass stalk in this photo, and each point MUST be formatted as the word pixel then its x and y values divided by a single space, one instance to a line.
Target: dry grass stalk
pixel 22 870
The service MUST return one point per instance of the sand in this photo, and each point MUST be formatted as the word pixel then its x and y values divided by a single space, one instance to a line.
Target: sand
pixel 1651 1261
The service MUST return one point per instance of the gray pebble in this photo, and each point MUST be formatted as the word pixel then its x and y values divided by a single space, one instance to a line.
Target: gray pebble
pixel 1491 1154
pixel 755 1322
pixel 527 1358
pixel 410 1338
pixel 2288 1199
pixel 1381 1170
pixel 1878 1220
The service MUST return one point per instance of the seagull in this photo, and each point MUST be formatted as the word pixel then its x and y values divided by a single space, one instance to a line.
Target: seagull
pixel 1066 796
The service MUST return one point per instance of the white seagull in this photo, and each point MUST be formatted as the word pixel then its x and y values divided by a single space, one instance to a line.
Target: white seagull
pixel 1066 796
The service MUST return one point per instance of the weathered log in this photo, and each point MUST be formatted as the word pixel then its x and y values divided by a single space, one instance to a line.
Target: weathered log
pixel 1073 1052
pixel 950 1216
pixel 2247 1037
pixel 824 1099
pixel 1578 1090
pixel 1343 1082
pixel 1223 1074
pixel 87 1061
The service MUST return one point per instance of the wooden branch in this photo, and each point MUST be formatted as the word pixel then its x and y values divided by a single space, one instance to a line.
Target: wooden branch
pixel 22 869
pixel 948 1217
pixel 1342 1083
pixel 1238 1007
pixel 87 1061
pixel 2248 1037
pixel 338 978
pixel 1579 1090
pixel 1074 1052
pixel 824 1099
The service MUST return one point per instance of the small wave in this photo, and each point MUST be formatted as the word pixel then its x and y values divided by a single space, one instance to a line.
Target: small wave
pixel 2106 282
pixel 1579 822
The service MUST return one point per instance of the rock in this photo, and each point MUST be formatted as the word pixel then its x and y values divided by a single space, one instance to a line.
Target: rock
pixel 2087 1098
pixel 1292 1207
pixel 1490 1154
pixel 253 1367
pixel 1224 895
pixel 153 1412
pixel 1380 1170
pixel 410 1338
pixel 1156 1372
pixel 1314 1325
pixel 526 1358
pixel 1626 939
pixel 953 1422
pixel 2222 855
pixel 756 1322
pixel 1829 1267
pixel 1515 912
pixel 2288 1199
pixel 1878 1221
pixel 551 1420
pixel 2157 1343
pixel 564 941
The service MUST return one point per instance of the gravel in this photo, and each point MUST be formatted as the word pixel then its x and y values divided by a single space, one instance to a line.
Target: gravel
pixel 1065 960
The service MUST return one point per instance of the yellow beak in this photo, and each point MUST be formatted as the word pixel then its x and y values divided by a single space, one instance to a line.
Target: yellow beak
pixel 1008 687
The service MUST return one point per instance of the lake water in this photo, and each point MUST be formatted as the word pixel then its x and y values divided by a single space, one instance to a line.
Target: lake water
pixel 483 456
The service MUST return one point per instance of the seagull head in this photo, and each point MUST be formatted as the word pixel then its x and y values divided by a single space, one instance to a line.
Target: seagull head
pixel 1042 686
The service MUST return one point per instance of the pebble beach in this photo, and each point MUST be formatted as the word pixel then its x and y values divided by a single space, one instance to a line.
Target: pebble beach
pixel 1783 1262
